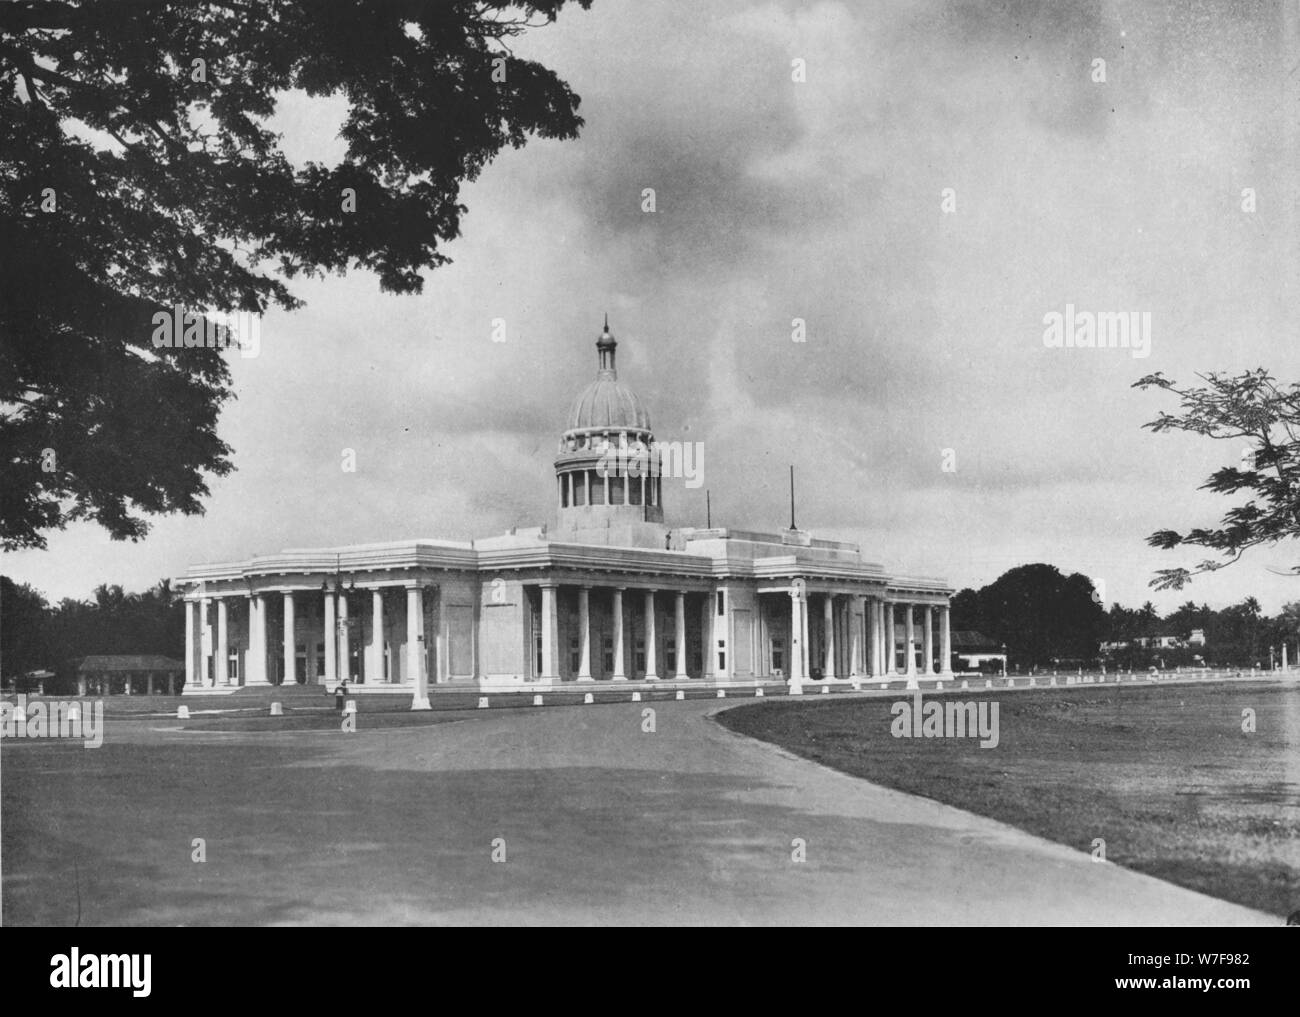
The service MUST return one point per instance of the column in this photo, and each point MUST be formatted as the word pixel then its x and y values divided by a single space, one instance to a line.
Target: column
pixel 257 641
pixel 345 641
pixel 221 673
pixel 619 674
pixel 290 643
pixel 828 635
pixel 679 636
pixel 191 657
pixel 415 669
pixel 651 661
pixel 584 634
pixel 910 633
pixel 857 619
pixel 873 637
pixel 206 673
pixel 148 684
pixel 375 662
pixel 706 636
pixel 550 635
pixel 796 642
pixel 331 640
pixel 945 642
pixel 929 638
pixel 891 641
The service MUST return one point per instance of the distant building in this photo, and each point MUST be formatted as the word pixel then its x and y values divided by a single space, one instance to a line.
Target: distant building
pixel 1164 638
pixel 973 649
pixel 130 674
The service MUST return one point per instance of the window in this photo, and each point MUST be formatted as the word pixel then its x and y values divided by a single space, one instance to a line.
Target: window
pixel 722 603
pixel 320 660
pixel 640 655
pixel 616 491
pixel 722 655
pixel 575 656
pixel 670 657
pixel 232 666
pixel 578 480
pixel 597 488
pixel 634 490
pixel 609 654
pixel 778 655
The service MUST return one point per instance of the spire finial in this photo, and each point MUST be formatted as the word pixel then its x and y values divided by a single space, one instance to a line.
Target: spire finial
pixel 606 321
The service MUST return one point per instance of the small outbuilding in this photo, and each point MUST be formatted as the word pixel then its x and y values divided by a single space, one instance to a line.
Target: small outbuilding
pixel 129 674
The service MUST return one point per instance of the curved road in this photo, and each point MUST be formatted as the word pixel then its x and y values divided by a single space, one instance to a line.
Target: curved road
pixel 600 822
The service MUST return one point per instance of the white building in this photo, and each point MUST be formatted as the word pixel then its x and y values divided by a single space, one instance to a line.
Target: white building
pixel 609 592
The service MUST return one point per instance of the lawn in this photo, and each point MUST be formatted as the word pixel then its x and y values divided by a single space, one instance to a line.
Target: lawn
pixel 1166 777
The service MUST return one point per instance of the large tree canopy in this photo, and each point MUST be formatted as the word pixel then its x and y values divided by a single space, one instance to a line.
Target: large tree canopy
pixel 137 173
pixel 1262 418
pixel 1037 612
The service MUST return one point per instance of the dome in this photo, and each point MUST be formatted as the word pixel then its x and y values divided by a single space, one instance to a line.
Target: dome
pixel 607 404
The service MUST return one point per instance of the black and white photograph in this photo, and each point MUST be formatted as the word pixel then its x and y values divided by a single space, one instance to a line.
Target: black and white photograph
pixel 624 463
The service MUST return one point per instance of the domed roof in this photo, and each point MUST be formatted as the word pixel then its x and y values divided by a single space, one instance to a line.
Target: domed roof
pixel 607 403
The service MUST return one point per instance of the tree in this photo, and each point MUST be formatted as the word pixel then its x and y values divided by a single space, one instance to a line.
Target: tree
pixel 1042 615
pixel 137 174
pixel 1253 409
pixel 24 630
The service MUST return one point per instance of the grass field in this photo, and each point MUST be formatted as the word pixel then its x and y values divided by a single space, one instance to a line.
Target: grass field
pixel 1166 777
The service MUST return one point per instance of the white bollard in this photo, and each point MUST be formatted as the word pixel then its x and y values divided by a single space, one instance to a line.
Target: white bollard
pixel 636 697
pixel 825 689
pixel 1032 682
pixel 722 693
pixel 588 699
pixel 938 686
pixel 537 700
pixel 758 691
pixel 351 706
pixel 681 694
pixel 965 684
pixel 482 702
pixel 277 710
pixel 1011 683
pixel 182 713
pixel 988 683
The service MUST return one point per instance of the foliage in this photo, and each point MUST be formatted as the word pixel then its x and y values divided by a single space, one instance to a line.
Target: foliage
pixel 138 174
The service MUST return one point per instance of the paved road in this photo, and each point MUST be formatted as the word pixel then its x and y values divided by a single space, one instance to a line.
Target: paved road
pixel 601 822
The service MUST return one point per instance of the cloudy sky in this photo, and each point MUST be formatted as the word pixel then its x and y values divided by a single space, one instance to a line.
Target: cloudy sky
pixel 819 199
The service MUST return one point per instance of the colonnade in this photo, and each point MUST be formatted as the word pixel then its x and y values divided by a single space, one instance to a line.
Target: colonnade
pixel 208 643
